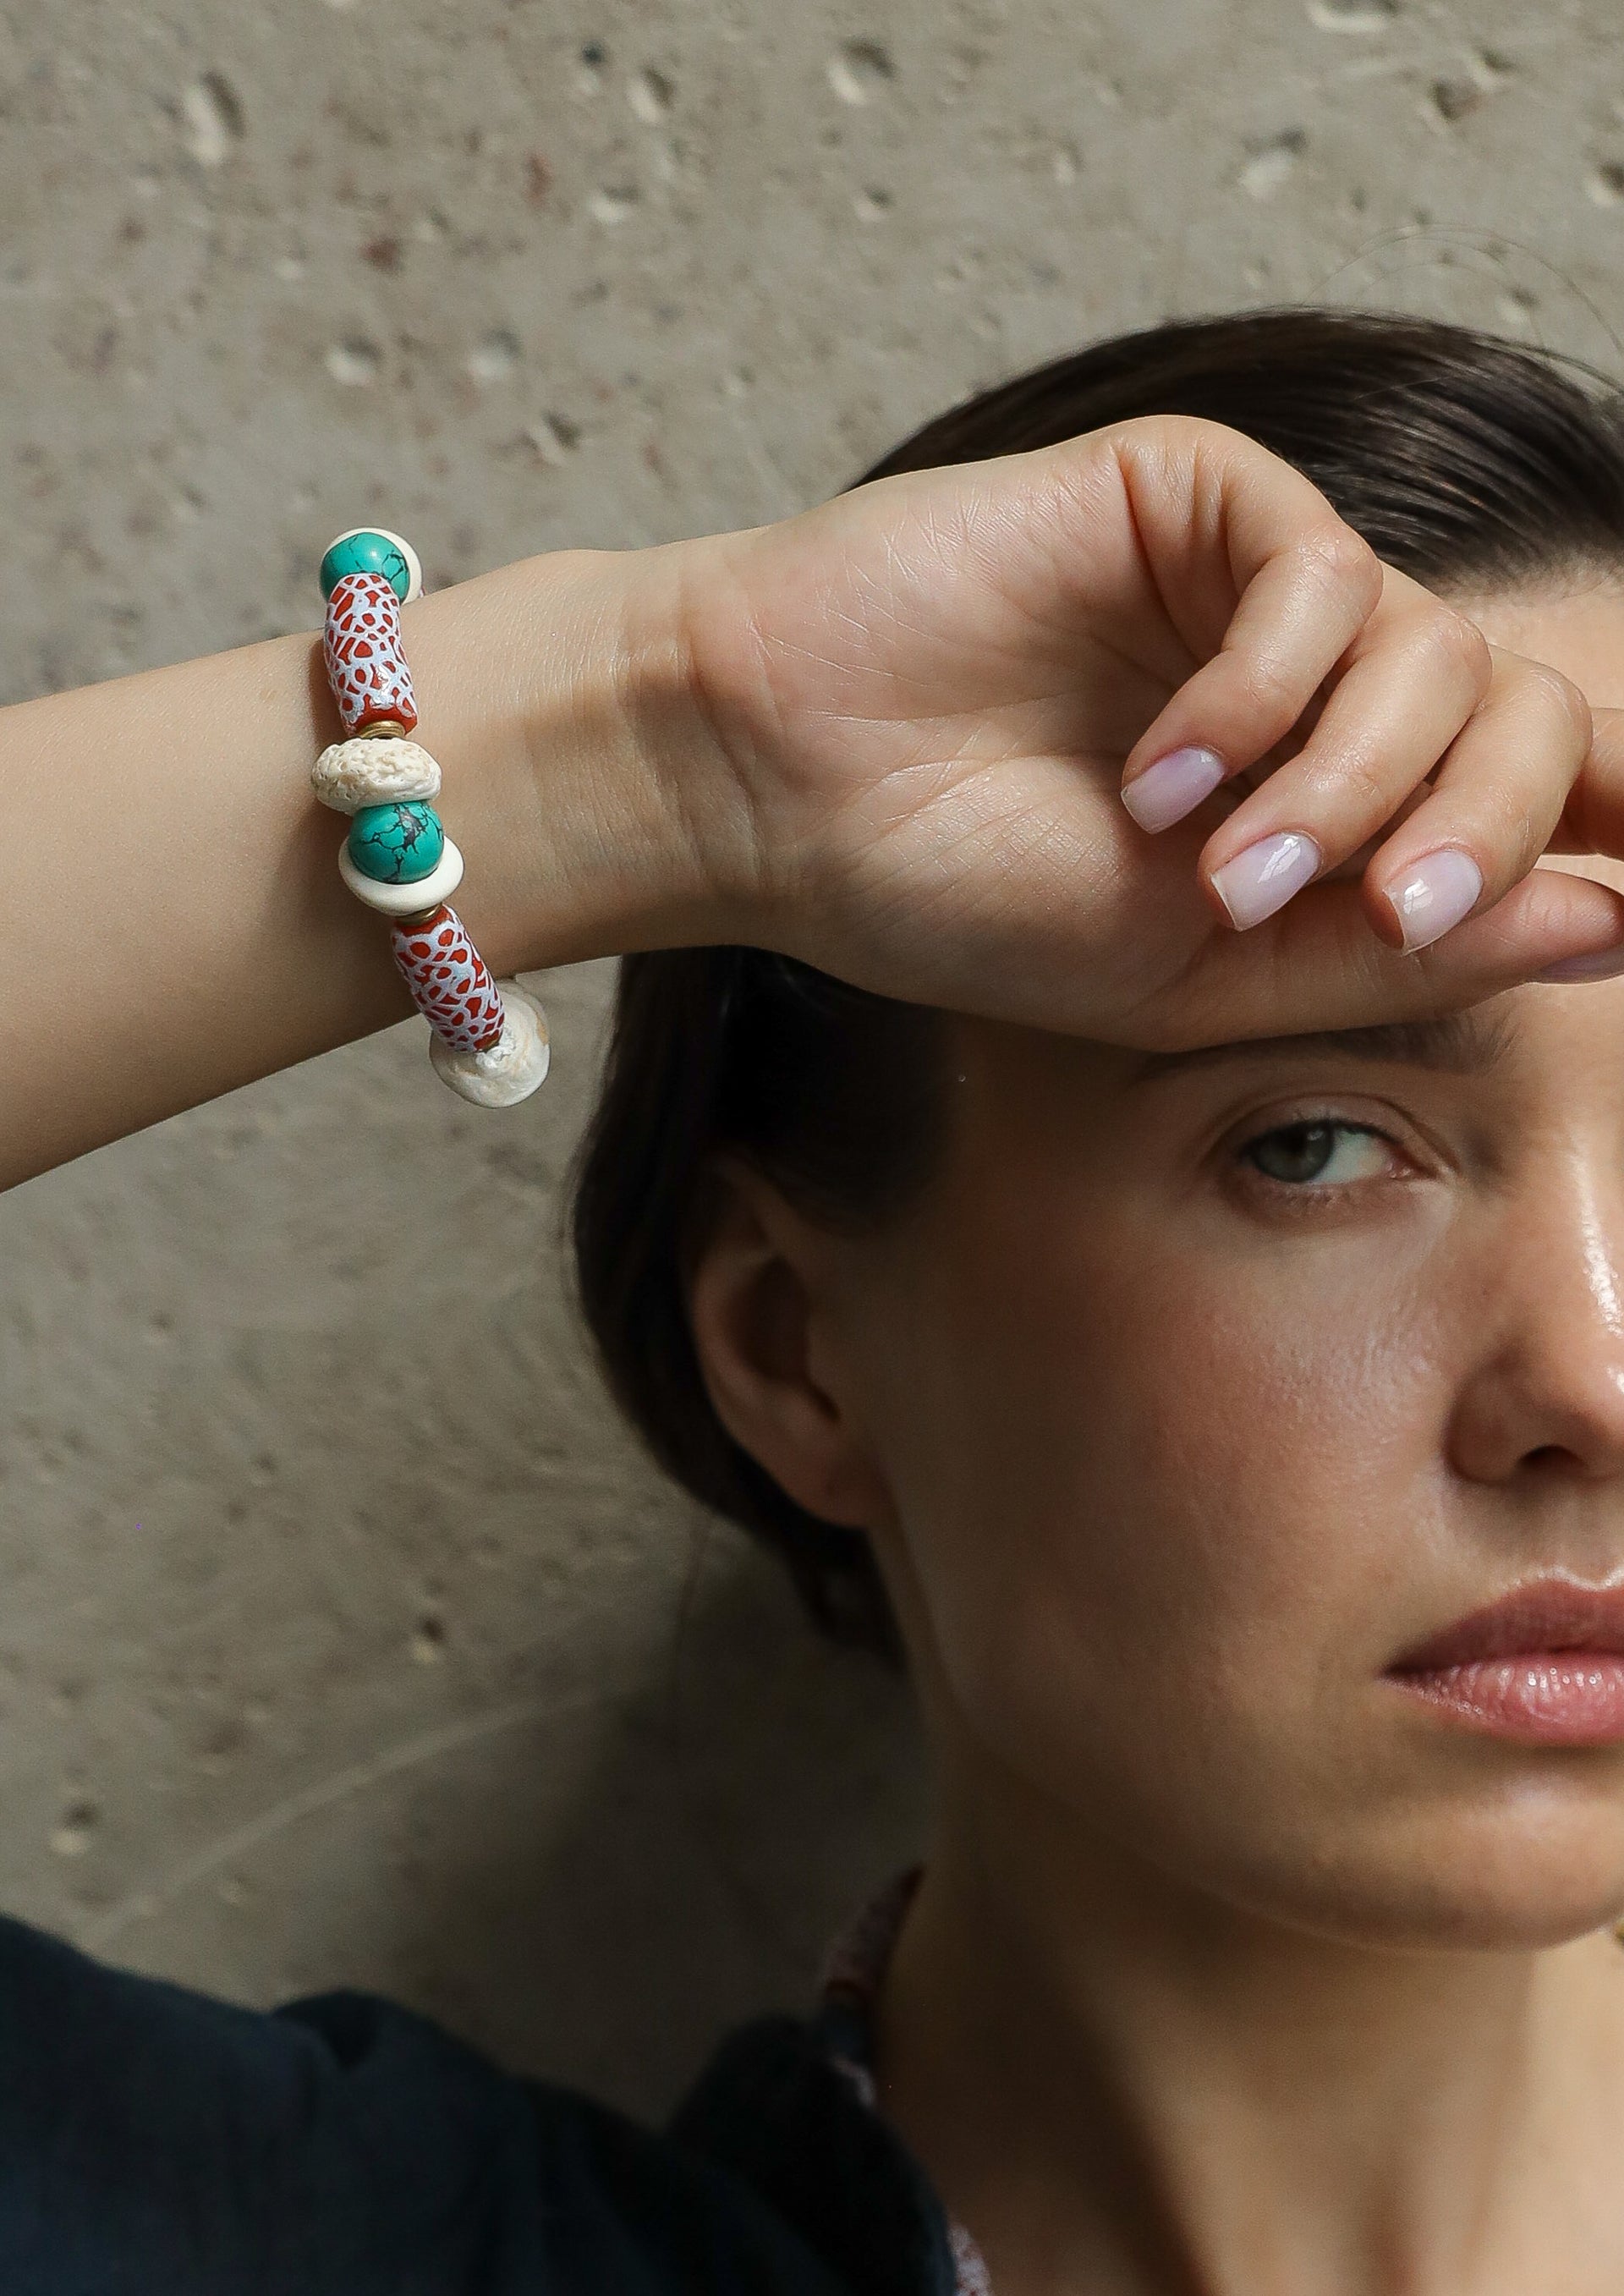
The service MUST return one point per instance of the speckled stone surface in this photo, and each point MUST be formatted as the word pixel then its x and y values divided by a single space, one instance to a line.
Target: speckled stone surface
pixel 308 1676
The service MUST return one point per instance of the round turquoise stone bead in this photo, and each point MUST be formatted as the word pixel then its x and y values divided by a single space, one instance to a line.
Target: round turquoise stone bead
pixel 396 844
pixel 365 553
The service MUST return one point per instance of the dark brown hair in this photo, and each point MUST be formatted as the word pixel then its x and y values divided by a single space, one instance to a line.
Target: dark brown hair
pixel 1464 460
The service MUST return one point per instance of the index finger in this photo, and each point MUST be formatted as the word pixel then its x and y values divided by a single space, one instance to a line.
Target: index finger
pixel 1273 595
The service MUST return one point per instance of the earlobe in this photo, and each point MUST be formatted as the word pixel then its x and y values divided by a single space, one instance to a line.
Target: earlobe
pixel 755 1300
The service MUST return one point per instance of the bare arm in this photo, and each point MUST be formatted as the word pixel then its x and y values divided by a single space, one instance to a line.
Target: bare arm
pixel 889 737
pixel 175 924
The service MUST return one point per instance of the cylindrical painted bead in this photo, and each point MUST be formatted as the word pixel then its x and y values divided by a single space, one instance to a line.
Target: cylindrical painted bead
pixel 448 980
pixel 366 666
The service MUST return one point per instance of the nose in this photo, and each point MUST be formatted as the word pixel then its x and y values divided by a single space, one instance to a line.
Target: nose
pixel 1546 1392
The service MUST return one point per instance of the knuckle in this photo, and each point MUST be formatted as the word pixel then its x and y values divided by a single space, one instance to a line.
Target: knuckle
pixel 1564 701
pixel 1360 797
pixel 1478 653
pixel 1459 648
pixel 1511 843
pixel 1372 798
pixel 1270 692
pixel 1348 561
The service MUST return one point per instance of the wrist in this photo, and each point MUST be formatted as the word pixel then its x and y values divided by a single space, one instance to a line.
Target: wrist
pixel 591 806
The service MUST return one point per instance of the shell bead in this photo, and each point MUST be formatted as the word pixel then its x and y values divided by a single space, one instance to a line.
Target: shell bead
pixel 396 844
pixel 409 900
pixel 373 550
pixel 366 666
pixel 373 769
pixel 503 1073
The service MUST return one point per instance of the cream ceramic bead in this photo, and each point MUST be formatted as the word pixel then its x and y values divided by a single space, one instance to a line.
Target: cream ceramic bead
pixel 384 770
pixel 507 1071
pixel 403 900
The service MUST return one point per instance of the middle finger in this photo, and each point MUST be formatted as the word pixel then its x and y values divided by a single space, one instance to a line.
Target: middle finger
pixel 1412 681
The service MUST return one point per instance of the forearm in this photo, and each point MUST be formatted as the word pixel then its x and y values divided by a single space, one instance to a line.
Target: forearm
pixel 175 921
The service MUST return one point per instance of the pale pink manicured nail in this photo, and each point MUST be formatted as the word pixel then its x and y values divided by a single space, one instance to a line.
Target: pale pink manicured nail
pixel 1265 876
pixel 1438 893
pixel 1175 785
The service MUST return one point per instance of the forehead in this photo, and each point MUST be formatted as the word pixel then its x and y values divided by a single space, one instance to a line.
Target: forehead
pixel 1580 631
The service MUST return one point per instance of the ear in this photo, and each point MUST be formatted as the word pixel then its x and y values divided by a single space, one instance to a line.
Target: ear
pixel 761 1312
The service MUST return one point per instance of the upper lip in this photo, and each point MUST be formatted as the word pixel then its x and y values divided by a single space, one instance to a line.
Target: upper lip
pixel 1546 1614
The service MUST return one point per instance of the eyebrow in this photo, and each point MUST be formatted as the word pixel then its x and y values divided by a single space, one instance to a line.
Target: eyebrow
pixel 1455 1043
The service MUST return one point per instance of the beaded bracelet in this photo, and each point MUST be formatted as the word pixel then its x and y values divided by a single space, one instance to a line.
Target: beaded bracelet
pixel 487 1040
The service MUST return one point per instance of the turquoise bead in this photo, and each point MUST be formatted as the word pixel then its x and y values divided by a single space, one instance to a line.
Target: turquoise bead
pixel 365 553
pixel 396 844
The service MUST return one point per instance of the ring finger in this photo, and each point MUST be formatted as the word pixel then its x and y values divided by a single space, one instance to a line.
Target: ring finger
pixel 1497 801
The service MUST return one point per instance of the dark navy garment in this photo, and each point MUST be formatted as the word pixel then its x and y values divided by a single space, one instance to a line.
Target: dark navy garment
pixel 156 2143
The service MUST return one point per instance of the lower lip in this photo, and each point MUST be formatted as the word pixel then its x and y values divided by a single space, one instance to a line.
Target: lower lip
pixel 1539 1698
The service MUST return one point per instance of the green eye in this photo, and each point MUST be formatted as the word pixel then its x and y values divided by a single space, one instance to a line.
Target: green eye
pixel 1297 1155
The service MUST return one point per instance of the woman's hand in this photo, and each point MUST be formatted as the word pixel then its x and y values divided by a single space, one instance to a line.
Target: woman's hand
pixel 943 698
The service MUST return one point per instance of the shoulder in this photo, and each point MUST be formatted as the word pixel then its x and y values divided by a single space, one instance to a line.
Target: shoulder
pixel 153 2138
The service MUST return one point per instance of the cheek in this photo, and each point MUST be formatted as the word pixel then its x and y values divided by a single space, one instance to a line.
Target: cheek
pixel 1152 1492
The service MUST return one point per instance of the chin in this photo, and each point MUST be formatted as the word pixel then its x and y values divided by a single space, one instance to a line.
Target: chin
pixel 1503 1882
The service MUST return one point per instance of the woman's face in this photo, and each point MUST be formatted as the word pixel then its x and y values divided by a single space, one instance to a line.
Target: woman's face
pixel 1199 1390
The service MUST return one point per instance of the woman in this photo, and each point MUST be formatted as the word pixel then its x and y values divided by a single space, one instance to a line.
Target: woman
pixel 1233 1442
pixel 1169 1403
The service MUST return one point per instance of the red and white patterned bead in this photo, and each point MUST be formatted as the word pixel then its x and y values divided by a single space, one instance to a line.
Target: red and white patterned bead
pixel 450 983
pixel 366 665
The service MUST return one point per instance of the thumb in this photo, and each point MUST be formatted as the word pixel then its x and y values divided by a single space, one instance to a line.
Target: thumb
pixel 1592 819
pixel 1318 964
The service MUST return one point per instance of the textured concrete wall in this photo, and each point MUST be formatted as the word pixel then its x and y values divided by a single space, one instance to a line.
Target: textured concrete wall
pixel 310 1672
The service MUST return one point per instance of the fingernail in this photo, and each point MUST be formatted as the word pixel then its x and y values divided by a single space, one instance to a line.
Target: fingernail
pixel 1265 876
pixel 1175 785
pixel 1601 965
pixel 1438 893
